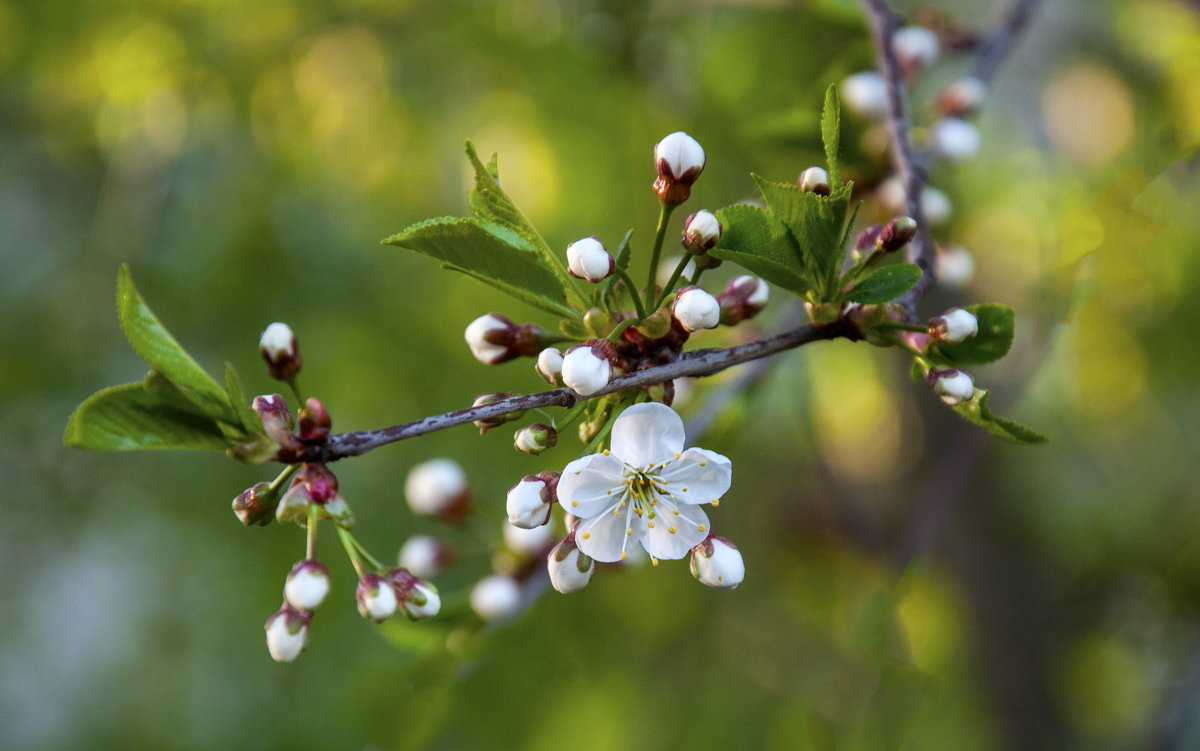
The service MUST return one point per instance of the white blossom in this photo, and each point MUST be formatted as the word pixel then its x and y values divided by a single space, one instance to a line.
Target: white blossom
pixel 589 259
pixel 648 489
pixel 277 342
pixel 529 501
pixel 486 336
pixel 586 369
pixel 954 139
pixel 570 570
pixel 376 598
pixel 716 562
pixel 916 47
pixel 436 487
pixel 962 97
pixel 287 633
pixel 955 267
pixel 701 231
pixel 954 326
pixel 549 365
pixel 425 556
pixel 865 93
pixel 679 157
pixel 307 585
pixel 814 180
pixel 696 309
pixel 954 386
pixel 422 601
pixel 495 597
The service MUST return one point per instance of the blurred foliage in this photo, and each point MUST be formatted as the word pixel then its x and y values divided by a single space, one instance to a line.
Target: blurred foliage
pixel 246 159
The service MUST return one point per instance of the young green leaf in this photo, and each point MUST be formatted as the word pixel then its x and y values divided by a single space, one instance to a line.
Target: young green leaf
pixel 250 421
pixel 831 131
pixel 492 253
pixel 150 339
pixel 976 411
pixel 130 417
pixel 760 243
pixel 995 337
pixel 885 284
pixel 816 224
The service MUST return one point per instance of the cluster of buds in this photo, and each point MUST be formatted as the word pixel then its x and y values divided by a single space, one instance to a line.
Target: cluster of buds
pixel 379 596
pixel 287 629
pixel 314 484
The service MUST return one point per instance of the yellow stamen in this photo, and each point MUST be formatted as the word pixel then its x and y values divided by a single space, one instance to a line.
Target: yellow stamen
pixel 685 490
pixel 608 492
pixel 574 503
pixel 716 501
pixel 671 530
pixel 638 510
pixel 606 452
pixel 650 525
pixel 677 456
pixel 653 561
pixel 587 535
pixel 622 555
pixel 701 527
pixel 630 531
pixel 703 464
pixel 675 511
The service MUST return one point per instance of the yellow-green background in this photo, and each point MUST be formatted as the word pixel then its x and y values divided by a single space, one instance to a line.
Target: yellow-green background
pixel 245 158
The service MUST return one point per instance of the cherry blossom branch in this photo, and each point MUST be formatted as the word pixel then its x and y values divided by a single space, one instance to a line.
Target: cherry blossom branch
pixel 994 47
pixel 699 362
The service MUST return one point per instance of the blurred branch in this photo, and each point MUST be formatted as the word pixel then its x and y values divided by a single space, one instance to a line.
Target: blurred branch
pixel 996 45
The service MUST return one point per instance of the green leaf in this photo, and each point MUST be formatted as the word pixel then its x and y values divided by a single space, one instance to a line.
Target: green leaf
pixel 976 411
pixel 760 243
pixel 250 421
pixel 493 254
pixel 816 224
pixel 885 284
pixel 130 417
pixel 625 251
pixel 150 339
pixel 831 132
pixel 996 326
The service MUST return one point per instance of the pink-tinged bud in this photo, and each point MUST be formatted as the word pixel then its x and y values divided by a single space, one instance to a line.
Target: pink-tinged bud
pixel 494 339
pixel 376 598
pixel 570 570
pixel 438 488
pixel 275 416
pixel 953 326
pixel 916 48
pixel 589 367
pixel 426 556
pixel 315 422
pixel 962 97
pixel 287 633
pixel 954 386
pixel 496 597
pixel 696 309
pixel 491 398
pixel 307 585
pixel 256 504
pixel 865 94
pixel 701 232
pixel 896 234
pixel 549 366
pixel 534 439
pixel 530 500
pixel 418 598
pixel 528 543
pixel 955 267
pixel 716 562
pixel 814 180
pixel 281 352
pixel 953 139
pixel 589 259
pixel 679 160
pixel 744 297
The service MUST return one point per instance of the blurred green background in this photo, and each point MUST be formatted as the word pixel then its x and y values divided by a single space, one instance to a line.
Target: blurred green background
pixel 911 583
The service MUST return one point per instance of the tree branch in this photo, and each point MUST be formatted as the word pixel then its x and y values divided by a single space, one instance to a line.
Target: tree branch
pixel 699 362
pixel 996 45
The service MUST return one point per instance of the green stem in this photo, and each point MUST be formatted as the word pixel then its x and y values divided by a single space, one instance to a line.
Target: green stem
pixel 283 476
pixel 570 417
pixel 664 215
pixel 348 544
pixel 291 382
pixel 678 272
pixel 615 334
pixel 637 301
pixel 696 275
pixel 896 326
pixel 311 548
pixel 363 551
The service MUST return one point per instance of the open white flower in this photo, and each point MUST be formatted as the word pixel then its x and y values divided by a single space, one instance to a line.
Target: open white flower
pixel 646 490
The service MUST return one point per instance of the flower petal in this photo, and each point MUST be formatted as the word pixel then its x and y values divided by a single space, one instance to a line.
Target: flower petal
pixel 698 476
pixel 588 480
pixel 674 534
pixel 607 536
pixel 646 434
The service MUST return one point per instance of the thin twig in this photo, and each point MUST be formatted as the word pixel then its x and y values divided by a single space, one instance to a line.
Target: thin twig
pixel 996 45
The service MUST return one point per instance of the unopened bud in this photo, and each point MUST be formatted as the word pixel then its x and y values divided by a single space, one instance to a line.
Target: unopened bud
pixel 418 598
pixel 814 180
pixel 315 422
pixel 256 504
pixel 954 140
pixel 953 326
pixel 535 438
pixel 287 633
pixel 528 542
pixel 494 339
pixel 955 267
pixel 954 386
pixel 488 423
pixel 865 94
pixel 896 234
pixel 570 570
pixel 281 352
pixel 701 232
pixel 549 366
pixel 438 488
pixel 744 297
pixel 716 562
pixel 530 500
pixel 496 597
pixel 916 48
pixel 962 97
pixel 307 584
pixel 276 418
pixel 589 367
pixel 313 483
pixel 679 160
pixel 589 259
pixel 696 309
pixel 426 556
pixel 376 598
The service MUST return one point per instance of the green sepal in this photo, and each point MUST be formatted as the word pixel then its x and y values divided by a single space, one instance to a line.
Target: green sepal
pixel 759 242
pixel 884 284
pixel 831 132
pixel 976 411
pixel 997 324
pixel 132 417
pixel 624 251
pixel 493 254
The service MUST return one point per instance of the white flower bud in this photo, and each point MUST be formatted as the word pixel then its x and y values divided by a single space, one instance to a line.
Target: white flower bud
pixel 916 47
pixel 495 597
pixel 487 336
pixel 679 157
pixel 955 267
pixel 569 569
pixel 814 180
pixel 954 386
pixel 287 633
pixel 936 206
pixel 865 93
pixel 279 348
pixel 535 438
pixel 586 369
pixel 962 97
pixel 953 326
pixel 716 562
pixel 530 500
pixel 701 232
pixel 528 542
pixel 376 598
pixel 426 556
pixel 744 297
pixel 696 309
pixel 437 488
pixel 549 366
pixel 954 139
pixel 417 598
pixel 307 584
pixel 589 259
